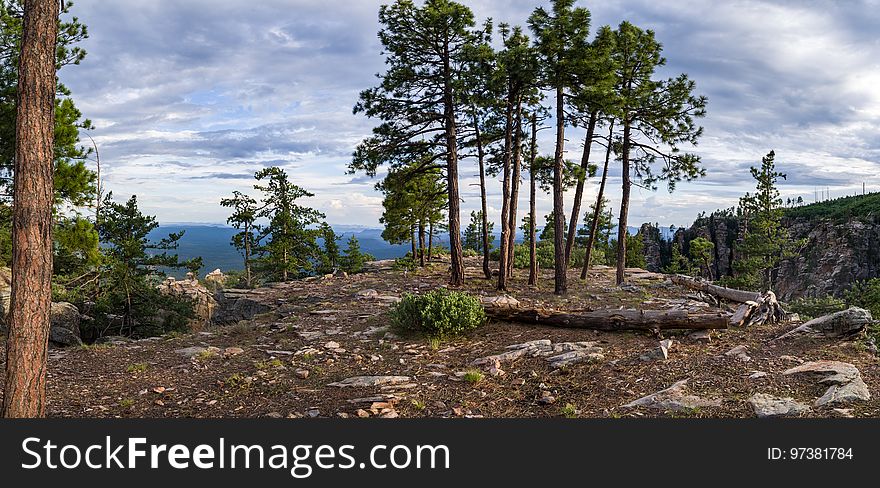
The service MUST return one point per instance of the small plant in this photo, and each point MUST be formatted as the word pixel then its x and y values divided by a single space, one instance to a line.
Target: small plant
pixel 206 355
pixel 137 367
pixel 126 403
pixel 812 307
pixel 419 405
pixel 569 411
pixel 434 343
pixel 174 334
pixel 236 381
pixel 269 364
pixel 439 313
pixel 473 376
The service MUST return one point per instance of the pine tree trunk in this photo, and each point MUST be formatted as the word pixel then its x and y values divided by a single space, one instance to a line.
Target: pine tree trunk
pixel 560 279
pixel 456 265
pixel 31 297
pixel 579 190
pixel 533 240
pixel 597 211
pixel 624 208
pixel 481 156
pixel 505 198
pixel 421 243
pixel 430 240
pixel 514 190
pixel 247 254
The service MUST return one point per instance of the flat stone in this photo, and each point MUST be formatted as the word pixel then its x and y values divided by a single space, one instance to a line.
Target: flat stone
pixel 700 336
pixel 367 381
pixel 757 375
pixel 832 372
pixel 674 398
pixel 771 406
pixel 332 345
pixel 191 351
pixel 740 353
pixel 233 351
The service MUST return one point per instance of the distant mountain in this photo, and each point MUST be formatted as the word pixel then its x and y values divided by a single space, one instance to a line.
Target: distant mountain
pixel 212 243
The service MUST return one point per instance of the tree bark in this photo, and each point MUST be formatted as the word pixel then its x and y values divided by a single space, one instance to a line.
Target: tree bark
pixel 533 239
pixel 31 296
pixel 579 189
pixel 612 320
pixel 421 243
pixel 560 277
pixel 597 211
pixel 514 190
pixel 481 156
pixel 430 239
pixel 624 207
pixel 505 197
pixel 456 266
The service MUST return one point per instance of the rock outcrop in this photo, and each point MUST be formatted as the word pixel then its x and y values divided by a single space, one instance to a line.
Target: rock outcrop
pixel 65 320
pixel 203 302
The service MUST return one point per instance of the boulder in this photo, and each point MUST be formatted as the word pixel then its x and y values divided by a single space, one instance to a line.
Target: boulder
pixel 771 406
pixel 235 305
pixel 64 329
pixel 845 323
pixel 216 278
pixel 203 301
pixel 845 380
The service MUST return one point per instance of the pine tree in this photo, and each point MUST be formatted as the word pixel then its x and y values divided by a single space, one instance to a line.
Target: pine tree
pixel 24 393
pixel 473 233
pixel 290 236
pixel 353 258
pixel 329 259
pixel 420 99
pixel 702 252
pixel 656 117
pixel 767 242
pixel 243 218
pixel 561 38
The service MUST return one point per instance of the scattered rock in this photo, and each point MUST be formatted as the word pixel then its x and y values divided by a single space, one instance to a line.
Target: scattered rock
pixel 757 375
pixel 191 351
pixel 216 277
pixel 771 406
pixel 546 398
pixel 559 355
pixel 845 379
pixel 362 413
pixel 505 301
pixel 367 381
pixel 700 336
pixel 739 352
pixel 660 353
pixel 332 345
pixel 301 373
pixel 233 351
pixel 675 398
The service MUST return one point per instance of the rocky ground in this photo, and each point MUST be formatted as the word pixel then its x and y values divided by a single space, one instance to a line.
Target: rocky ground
pixel 322 348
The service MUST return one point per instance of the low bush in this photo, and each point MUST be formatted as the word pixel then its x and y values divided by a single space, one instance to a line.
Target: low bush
pixel 810 307
pixel 439 313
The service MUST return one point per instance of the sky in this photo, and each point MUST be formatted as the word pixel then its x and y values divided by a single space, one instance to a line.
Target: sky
pixel 190 97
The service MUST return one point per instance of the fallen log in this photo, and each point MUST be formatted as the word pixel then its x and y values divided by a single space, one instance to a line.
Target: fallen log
pixel 732 294
pixel 846 323
pixel 612 320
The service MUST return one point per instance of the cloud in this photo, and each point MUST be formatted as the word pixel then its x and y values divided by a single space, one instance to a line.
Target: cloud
pixel 190 98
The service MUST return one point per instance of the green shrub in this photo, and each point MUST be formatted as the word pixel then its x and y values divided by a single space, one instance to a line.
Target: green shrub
pixel 438 313
pixel 865 294
pixel 810 307
pixel 469 253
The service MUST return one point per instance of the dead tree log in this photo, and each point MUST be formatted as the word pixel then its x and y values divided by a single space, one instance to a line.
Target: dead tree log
pixel 734 295
pixel 612 320
pixel 755 309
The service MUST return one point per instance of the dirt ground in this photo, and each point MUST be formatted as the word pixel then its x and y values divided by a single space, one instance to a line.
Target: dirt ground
pixel 280 363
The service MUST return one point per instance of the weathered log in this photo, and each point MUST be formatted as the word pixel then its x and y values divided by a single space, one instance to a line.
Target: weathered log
pixel 612 320
pixel 734 295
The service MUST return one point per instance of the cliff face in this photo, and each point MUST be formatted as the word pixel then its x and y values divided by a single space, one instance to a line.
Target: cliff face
pixel 837 252
pixel 836 255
